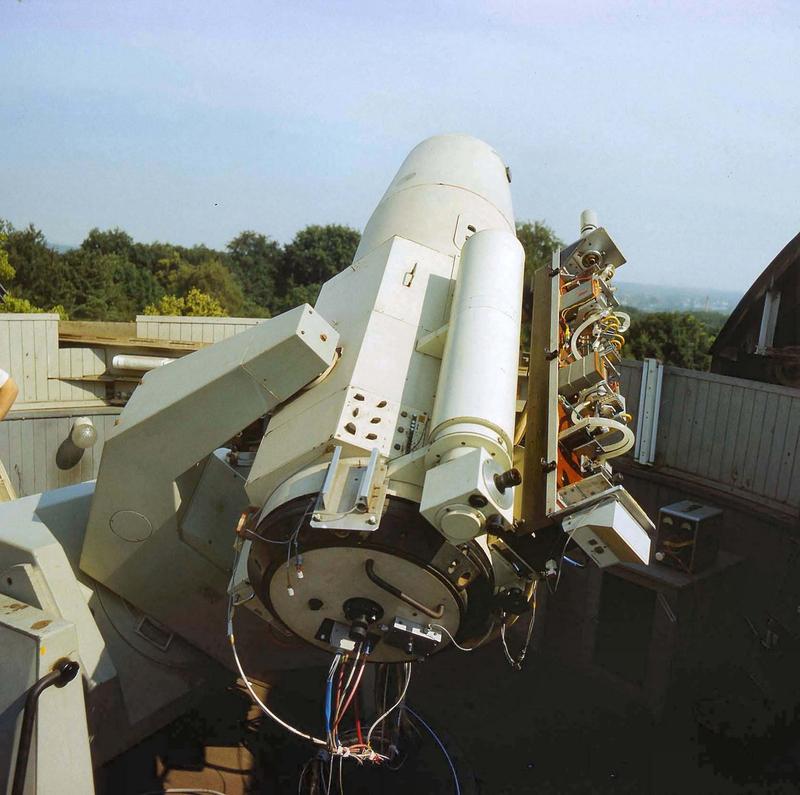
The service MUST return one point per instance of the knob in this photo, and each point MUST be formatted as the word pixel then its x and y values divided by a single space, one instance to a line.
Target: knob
pixel 510 478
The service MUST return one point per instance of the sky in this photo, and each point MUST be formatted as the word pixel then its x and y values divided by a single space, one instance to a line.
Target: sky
pixel 679 123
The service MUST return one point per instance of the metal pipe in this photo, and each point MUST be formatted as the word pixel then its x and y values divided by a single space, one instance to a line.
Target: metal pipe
pixel 126 361
pixel 369 567
pixel 65 671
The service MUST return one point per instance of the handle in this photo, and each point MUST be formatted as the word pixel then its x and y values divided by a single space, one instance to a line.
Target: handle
pixel 369 567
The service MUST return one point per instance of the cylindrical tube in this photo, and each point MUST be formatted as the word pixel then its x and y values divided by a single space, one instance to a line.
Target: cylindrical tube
pixel 447 187
pixel 124 361
pixel 589 222
pixel 476 396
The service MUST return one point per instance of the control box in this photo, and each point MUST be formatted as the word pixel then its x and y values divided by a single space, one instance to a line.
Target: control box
pixel 687 536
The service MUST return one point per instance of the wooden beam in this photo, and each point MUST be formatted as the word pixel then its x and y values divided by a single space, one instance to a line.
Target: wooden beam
pixel 539 484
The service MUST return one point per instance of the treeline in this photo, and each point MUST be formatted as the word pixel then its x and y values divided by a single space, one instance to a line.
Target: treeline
pixel 112 277
pixel 682 339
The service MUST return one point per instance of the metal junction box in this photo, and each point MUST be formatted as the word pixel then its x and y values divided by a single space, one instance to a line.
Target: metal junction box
pixel 688 536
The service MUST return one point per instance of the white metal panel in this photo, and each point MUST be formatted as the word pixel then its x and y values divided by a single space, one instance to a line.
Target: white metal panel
pixel 735 435
pixel 29 442
pixel 191 329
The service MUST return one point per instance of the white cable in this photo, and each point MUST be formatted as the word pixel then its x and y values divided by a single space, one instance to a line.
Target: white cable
pixel 264 708
pixel 452 639
pixel 626 321
pixel 612 450
pixel 517 664
pixel 393 707
pixel 573 344
pixel 189 790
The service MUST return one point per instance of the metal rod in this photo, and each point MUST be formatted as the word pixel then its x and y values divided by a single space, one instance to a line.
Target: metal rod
pixel 369 567
pixel 365 487
pixel 65 671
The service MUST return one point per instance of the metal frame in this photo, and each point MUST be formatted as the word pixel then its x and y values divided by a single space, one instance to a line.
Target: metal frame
pixel 541 428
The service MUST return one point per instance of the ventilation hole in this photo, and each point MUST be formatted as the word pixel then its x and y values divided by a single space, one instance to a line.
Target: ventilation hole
pixel 372 436
pixel 358 396
pixel 463 444
pixel 403 413
pixel 470 228
pixel 401 429
pixel 355 412
pixel 397 447
pixel 375 420
pixel 382 404
pixel 323 337
pixel 350 427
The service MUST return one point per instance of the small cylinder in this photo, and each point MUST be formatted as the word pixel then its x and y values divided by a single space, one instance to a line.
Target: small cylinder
pixel 476 396
pixel 589 222
pixel 124 361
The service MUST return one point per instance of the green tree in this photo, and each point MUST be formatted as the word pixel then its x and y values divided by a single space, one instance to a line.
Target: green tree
pixel 539 242
pixel 196 304
pixel 676 338
pixel 214 279
pixel 96 292
pixel 134 286
pixel 255 259
pixel 316 254
pixel 23 306
pixel 109 241
pixel 7 272
pixel 296 295
pixel 41 274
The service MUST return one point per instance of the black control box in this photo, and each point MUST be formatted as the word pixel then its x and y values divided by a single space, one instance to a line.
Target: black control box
pixel 687 537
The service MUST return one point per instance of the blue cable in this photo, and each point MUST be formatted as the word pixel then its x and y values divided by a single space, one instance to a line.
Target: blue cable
pixel 574 562
pixel 441 746
pixel 328 702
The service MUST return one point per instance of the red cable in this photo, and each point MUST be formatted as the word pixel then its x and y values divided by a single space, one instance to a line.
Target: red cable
pixel 357 711
pixel 352 693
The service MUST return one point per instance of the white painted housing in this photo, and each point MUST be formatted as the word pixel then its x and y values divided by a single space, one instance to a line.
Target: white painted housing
pixel 398 290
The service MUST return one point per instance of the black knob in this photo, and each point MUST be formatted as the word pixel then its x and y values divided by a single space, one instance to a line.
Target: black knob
pixel 495 524
pixel 358 629
pixel 508 479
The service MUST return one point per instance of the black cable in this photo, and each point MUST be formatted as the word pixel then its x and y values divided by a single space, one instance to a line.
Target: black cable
pixel 65 671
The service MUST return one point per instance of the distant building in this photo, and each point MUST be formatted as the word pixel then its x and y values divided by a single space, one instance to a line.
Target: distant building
pixel 761 339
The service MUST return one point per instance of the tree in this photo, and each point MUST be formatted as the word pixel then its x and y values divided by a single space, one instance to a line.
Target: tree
pixel 539 242
pixel 111 241
pixel 295 296
pixel 195 304
pixel 675 338
pixel 177 277
pixel 316 254
pixel 214 279
pixel 255 259
pixel 23 306
pixel 7 272
pixel 41 274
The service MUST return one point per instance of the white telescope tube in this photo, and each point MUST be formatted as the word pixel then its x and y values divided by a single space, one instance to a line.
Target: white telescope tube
pixel 476 397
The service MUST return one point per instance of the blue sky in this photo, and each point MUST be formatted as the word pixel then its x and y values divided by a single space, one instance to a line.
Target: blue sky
pixel 190 121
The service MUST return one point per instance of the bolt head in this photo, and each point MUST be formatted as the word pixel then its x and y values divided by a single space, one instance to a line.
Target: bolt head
pixel 316 517
pixel 372 520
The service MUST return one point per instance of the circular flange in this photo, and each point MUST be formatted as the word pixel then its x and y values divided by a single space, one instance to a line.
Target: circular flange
pixel 335 574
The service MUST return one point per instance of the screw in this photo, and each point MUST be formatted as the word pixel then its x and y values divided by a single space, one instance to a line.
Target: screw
pixel 372 520
pixel 316 517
